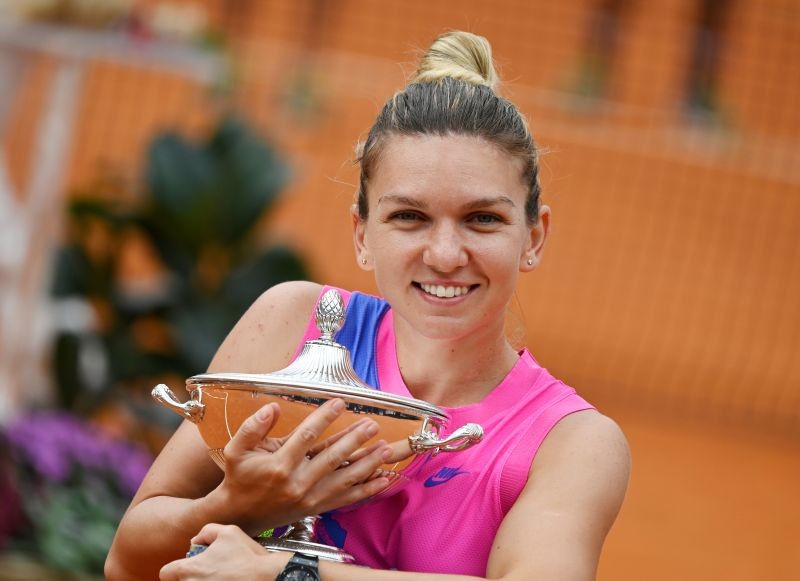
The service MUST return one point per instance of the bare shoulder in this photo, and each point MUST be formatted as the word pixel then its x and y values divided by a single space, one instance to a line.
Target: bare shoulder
pixel 267 335
pixel 285 304
pixel 577 483
pixel 585 455
pixel 588 430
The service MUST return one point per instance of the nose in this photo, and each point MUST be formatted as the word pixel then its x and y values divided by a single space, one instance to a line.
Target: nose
pixel 445 250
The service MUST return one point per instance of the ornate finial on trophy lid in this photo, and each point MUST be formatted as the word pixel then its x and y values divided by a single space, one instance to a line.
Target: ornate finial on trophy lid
pixel 330 314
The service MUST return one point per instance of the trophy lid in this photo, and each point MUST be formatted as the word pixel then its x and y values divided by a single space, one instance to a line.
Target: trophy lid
pixel 322 369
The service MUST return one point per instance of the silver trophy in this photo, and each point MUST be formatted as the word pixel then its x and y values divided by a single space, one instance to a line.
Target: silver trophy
pixel 220 402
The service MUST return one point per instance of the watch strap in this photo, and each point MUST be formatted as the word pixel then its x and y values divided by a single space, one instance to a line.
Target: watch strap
pixel 303 562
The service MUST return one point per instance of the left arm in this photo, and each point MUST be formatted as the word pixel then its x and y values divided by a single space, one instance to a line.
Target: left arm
pixel 555 530
pixel 575 489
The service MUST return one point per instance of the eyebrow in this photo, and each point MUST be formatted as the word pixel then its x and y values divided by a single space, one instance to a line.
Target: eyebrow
pixel 402 200
pixel 486 202
pixel 474 204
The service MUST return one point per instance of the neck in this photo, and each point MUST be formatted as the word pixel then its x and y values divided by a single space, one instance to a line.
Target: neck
pixel 449 372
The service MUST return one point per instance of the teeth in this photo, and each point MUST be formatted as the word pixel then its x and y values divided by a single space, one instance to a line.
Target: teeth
pixel 444 291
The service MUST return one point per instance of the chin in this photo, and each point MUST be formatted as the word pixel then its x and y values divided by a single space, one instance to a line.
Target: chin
pixel 444 330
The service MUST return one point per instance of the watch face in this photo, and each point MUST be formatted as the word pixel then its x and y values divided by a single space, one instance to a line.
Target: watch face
pixel 299 573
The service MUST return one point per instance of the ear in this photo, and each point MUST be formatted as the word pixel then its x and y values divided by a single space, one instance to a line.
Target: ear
pixel 538 236
pixel 360 239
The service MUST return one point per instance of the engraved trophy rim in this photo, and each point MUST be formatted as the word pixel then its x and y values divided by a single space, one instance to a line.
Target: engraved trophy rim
pixel 285 385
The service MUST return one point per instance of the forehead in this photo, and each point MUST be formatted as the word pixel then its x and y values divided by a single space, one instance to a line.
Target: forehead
pixel 446 166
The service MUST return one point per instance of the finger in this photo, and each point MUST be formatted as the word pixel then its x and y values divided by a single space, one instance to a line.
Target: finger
pixel 339 453
pixel 208 534
pixel 356 484
pixel 363 492
pixel 365 469
pixel 172 571
pixel 335 438
pixel 303 438
pixel 253 430
pixel 400 451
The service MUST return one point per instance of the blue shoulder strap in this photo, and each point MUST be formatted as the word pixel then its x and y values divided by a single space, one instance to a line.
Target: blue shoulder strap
pixel 360 334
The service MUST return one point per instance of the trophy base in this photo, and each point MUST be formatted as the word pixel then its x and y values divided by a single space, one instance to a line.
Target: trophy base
pixel 324 552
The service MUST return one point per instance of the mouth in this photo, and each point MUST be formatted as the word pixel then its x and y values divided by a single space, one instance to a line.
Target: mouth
pixel 444 291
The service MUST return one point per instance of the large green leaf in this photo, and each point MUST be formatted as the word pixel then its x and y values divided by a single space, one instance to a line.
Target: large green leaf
pixel 211 193
pixel 249 180
pixel 129 361
pixel 181 176
pixel 200 328
pixel 74 274
pixel 85 208
pixel 273 266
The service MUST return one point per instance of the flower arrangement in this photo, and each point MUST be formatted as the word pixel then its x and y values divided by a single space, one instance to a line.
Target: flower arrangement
pixel 64 486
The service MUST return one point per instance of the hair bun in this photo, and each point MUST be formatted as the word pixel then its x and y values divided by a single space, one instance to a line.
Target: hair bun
pixel 461 55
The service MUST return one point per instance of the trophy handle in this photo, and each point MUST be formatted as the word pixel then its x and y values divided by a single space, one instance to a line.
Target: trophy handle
pixel 192 410
pixel 464 437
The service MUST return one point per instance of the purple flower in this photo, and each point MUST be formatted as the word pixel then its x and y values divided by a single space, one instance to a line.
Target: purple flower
pixel 131 466
pixel 33 441
pixel 58 446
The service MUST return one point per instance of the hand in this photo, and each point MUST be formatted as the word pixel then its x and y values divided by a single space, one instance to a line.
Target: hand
pixel 274 481
pixel 231 554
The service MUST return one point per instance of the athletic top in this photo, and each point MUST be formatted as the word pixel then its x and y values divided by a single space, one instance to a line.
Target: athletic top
pixel 445 518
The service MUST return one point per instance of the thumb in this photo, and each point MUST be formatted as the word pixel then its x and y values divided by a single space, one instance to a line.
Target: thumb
pixel 208 534
pixel 253 430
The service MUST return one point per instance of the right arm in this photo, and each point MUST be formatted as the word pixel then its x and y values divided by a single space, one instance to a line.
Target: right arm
pixel 263 486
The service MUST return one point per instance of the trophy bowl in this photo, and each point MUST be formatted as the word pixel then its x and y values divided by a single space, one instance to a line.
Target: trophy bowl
pixel 220 402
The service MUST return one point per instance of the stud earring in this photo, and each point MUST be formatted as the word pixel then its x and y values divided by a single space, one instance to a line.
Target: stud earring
pixel 530 262
pixel 364 261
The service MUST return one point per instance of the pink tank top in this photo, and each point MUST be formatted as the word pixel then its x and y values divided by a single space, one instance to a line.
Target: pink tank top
pixel 445 519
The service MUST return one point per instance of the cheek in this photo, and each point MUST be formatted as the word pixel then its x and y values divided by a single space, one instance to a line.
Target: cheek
pixel 395 245
pixel 388 257
pixel 501 252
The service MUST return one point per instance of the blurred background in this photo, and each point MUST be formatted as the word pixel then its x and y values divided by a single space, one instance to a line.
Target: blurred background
pixel 163 163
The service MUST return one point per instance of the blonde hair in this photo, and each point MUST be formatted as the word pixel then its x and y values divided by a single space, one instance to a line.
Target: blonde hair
pixel 460 55
pixel 453 93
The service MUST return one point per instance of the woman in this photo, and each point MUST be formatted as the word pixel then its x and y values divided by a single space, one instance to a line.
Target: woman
pixel 447 217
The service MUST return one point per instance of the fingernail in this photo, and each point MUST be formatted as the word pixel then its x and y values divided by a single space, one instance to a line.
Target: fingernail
pixel 263 414
pixel 357 425
pixel 337 405
pixel 371 429
pixel 386 454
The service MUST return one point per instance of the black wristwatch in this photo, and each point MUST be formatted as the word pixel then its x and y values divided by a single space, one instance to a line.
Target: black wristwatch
pixel 301 567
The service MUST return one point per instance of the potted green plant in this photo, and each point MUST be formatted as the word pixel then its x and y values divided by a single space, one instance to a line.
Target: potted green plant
pixel 197 219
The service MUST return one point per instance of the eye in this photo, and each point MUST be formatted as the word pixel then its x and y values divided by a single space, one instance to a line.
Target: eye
pixel 484 219
pixel 405 216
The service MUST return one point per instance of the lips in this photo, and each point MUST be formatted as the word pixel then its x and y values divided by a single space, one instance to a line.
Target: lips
pixel 444 291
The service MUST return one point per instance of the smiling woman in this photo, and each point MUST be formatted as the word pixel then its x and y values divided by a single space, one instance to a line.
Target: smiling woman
pixel 447 217
pixel 448 237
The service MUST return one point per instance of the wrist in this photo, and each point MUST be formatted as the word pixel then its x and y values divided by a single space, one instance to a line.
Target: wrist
pixel 271 564
pixel 220 506
pixel 300 567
